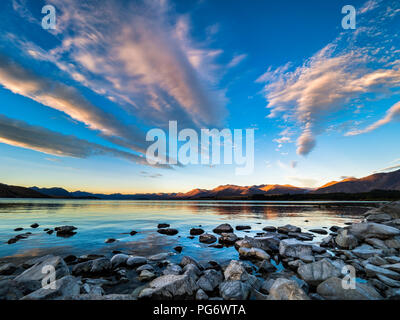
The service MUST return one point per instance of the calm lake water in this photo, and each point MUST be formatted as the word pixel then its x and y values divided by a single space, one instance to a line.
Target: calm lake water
pixel 98 220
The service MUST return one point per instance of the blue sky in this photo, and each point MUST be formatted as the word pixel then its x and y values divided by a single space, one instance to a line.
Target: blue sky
pixel 76 102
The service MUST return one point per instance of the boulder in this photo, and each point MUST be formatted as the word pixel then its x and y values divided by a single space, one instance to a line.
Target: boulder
pixel 119 260
pixel 11 290
pixel 388 281
pixel 168 231
pixel 90 268
pixel 393 243
pixel 319 231
pixel 376 243
pixel 159 256
pixel 372 271
pixel 379 217
pixel 346 240
pixel 64 288
pixel 317 272
pixel 223 228
pixel 172 269
pixel 253 253
pixel 201 295
pixel 268 243
pixel 146 275
pixel 269 229
pixel 145 267
pixel 170 287
pixel 234 290
pixel 236 271
pixel 365 251
pixel 294 248
pixel 366 230
pixel 210 280
pixel 163 225
pixel 392 208
pixel 186 260
pixel 228 238
pixel 7 269
pixel 65 231
pixel 135 261
pixel 285 289
pixel 332 289
pixel 377 261
pixel 394 267
pixel 243 228
pixel 289 228
pixel 207 238
pixel 196 231
pixel 266 267
pixel 31 279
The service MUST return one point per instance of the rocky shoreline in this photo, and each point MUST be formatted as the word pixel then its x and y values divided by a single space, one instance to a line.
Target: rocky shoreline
pixel 358 262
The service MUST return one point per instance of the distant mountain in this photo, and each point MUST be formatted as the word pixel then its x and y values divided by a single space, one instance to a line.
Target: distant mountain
pixel 381 182
pixel 377 181
pixel 7 191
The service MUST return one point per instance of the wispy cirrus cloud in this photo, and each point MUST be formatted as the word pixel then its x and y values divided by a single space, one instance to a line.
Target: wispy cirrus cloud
pixel 139 55
pixel 352 65
pixel 61 97
pixel 21 134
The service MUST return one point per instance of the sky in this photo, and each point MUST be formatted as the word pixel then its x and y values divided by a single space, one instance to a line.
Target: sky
pixel 76 102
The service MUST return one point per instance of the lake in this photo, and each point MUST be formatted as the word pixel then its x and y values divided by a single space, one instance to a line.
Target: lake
pixel 98 220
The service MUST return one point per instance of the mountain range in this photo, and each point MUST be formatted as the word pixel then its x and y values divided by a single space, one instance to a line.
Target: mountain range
pixel 389 181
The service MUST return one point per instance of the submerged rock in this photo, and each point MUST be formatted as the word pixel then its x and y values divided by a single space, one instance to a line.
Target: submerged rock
pixel 163 225
pixel 35 225
pixel 65 231
pixel 243 227
pixel 168 231
pixel 196 231
pixel 223 228
pixel 289 228
pixel 207 238
pixel 319 231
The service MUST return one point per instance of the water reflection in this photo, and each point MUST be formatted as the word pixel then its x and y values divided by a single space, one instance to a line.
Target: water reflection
pixel 98 220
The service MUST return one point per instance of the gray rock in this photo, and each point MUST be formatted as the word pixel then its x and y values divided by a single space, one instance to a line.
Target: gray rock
pixel 332 289
pixel 159 256
pixel 32 278
pixel 394 267
pixel 189 260
pixel 236 271
pixel 377 261
pixel 223 228
pixel 379 217
pixel 146 275
pixel 170 287
pixel 366 230
pixel 92 267
pixel 11 290
pixel 210 280
pixel 65 231
pixel 201 295
pixel 294 248
pixel 288 228
pixel 393 259
pixel 268 243
pixel 228 238
pixel 376 243
pixel 372 271
pixel 346 240
pixel 319 231
pixel 135 261
pixel 266 267
pixel 207 238
pixel 145 267
pixel 192 271
pixel 253 253
pixel 234 290
pixel 365 251
pixel 317 272
pixel 392 208
pixel 393 243
pixel 65 287
pixel 285 289
pixel 7 269
pixel 95 290
pixel 267 285
pixel 172 269
pixel 119 260
pixel 388 281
